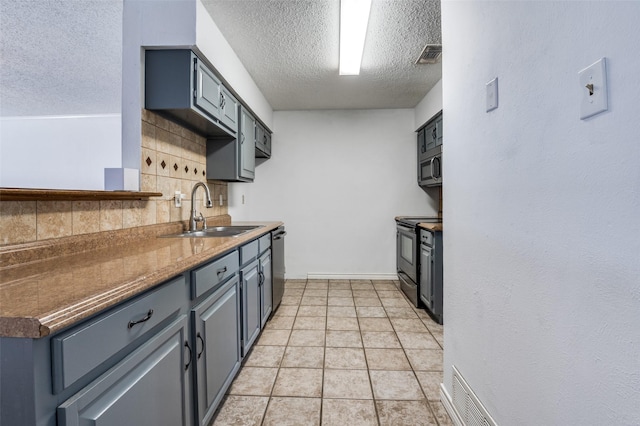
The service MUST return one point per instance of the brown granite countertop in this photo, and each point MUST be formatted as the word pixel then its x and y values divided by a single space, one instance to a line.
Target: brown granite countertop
pixel 431 226
pixel 41 297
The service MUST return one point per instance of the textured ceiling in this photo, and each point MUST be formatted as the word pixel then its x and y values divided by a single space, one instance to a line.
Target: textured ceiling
pixel 290 48
pixel 61 57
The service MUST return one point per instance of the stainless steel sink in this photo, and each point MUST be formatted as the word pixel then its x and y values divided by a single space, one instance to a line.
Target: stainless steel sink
pixel 216 231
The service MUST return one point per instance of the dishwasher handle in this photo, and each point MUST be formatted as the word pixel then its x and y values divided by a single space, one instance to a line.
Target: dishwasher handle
pixel 280 235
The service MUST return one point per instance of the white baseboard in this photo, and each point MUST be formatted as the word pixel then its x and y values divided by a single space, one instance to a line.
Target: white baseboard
pixel 448 406
pixel 325 276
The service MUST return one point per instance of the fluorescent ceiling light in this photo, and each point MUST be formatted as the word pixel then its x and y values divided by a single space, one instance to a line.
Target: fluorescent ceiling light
pixel 354 19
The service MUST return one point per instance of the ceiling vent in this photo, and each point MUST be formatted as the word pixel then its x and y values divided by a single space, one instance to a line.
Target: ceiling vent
pixel 431 54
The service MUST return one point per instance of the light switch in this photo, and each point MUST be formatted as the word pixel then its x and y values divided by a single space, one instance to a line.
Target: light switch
pixel 593 84
pixel 492 94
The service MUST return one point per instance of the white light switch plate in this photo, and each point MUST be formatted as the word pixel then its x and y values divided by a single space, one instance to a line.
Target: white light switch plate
pixel 492 94
pixel 593 86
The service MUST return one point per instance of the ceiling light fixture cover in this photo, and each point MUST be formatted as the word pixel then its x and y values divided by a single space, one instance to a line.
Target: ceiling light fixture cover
pixel 354 19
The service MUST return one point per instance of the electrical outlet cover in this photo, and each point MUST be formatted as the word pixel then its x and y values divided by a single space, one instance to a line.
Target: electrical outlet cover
pixel 593 86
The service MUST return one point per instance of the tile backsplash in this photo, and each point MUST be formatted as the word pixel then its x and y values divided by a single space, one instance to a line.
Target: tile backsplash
pixel 173 159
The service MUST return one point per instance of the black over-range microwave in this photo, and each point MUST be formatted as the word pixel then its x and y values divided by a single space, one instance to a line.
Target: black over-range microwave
pixel 430 168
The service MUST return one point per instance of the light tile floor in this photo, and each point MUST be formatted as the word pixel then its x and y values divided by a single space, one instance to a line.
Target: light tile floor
pixel 341 352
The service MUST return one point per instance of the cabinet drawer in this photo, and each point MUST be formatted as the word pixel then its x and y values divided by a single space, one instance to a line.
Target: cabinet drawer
pixel 264 243
pixel 216 272
pixel 83 348
pixel 248 251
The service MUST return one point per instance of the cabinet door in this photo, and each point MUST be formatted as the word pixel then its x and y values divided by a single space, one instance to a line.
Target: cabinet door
pixel 439 131
pixel 266 279
pixel 149 387
pixel 207 96
pixel 431 135
pixel 247 145
pixel 217 347
pixel 422 144
pixel 426 275
pixel 228 109
pixel 250 305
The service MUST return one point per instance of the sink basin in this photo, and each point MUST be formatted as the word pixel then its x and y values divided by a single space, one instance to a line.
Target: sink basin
pixel 215 231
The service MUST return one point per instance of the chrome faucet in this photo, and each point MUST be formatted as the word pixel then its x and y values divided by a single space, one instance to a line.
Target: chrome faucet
pixel 193 220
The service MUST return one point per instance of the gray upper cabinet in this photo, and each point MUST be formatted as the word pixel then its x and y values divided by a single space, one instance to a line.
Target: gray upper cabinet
pixel 247 144
pixel 430 135
pixel 232 159
pixel 180 86
pixel 263 142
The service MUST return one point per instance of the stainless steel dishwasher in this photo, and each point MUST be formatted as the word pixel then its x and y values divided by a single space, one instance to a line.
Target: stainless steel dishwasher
pixel 277 259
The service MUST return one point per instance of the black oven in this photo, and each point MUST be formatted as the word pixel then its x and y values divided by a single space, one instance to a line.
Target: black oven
pixel 408 254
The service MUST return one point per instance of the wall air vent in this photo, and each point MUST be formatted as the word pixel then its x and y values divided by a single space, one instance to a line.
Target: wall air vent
pixel 431 54
pixel 468 407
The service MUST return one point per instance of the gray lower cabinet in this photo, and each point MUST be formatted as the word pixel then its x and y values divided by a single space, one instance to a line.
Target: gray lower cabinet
pixel 431 273
pixel 216 330
pixel 150 387
pixel 251 320
pixel 266 287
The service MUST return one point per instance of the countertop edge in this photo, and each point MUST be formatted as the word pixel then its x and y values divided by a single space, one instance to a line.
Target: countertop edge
pixel 54 321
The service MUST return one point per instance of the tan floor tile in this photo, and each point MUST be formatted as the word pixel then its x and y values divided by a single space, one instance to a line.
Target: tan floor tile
pixel 254 381
pixel 274 337
pixel 396 385
pixel 375 324
pixel 439 336
pixel 304 357
pixel 293 292
pixel 400 313
pixel 310 323
pixel 346 384
pixel 314 300
pixel 384 286
pixel 430 382
pixel 395 303
pixel 284 411
pixel 280 323
pixel 315 293
pixel 387 359
pixel 312 311
pixel 241 410
pixel 343 339
pixel 367 301
pixel 345 358
pixel 361 285
pixel 299 382
pixel 441 413
pixel 380 339
pixel 265 356
pixel 340 301
pixel 341 311
pixel 295 284
pixel 340 412
pixel 318 284
pixel 390 295
pixel 339 285
pixel 307 338
pixel 405 413
pixel 412 340
pixel 409 324
pixel 371 312
pixel 425 359
pixel 345 324
pixel 365 293
pixel 432 325
pixel 339 293
pixel 286 311
pixel 291 300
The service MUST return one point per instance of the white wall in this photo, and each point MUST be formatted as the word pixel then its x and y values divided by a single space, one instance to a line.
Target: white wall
pixel 430 105
pixel 62 152
pixel 337 179
pixel 542 243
